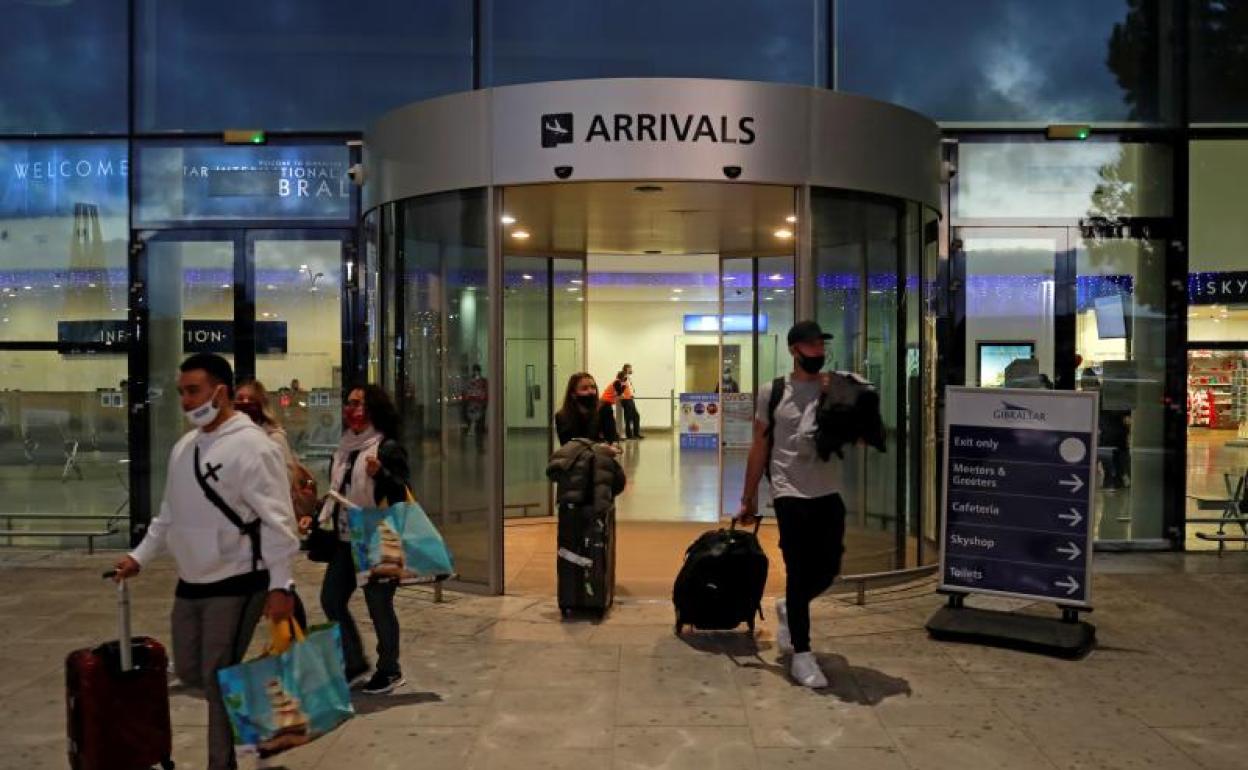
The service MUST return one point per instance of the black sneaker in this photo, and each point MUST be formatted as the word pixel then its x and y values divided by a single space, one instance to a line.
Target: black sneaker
pixel 382 684
pixel 356 675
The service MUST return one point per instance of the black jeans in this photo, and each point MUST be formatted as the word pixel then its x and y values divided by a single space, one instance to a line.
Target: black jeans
pixel 632 418
pixel 336 593
pixel 812 540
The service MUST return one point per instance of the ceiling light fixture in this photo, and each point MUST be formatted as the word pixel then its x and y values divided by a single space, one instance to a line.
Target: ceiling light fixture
pixel 775 277
pixel 507 219
pixel 783 232
pixel 527 277
pixel 790 219
pixel 678 291
pixel 520 235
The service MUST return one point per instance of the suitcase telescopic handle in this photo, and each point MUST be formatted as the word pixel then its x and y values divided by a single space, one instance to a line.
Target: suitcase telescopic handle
pixel 123 622
pixel 758 522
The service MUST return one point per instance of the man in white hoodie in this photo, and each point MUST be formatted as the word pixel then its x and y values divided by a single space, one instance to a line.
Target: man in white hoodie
pixel 226 519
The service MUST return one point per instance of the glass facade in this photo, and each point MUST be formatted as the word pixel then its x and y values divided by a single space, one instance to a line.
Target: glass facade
pixel 1009 61
pixel 95 99
pixel 294 66
pixel 544 40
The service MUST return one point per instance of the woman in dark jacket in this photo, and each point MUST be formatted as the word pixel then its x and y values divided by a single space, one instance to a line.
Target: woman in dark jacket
pixel 369 468
pixel 583 415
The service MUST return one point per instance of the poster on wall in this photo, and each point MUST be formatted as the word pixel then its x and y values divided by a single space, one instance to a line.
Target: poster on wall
pixel 699 421
pixel 308 182
pixel 738 409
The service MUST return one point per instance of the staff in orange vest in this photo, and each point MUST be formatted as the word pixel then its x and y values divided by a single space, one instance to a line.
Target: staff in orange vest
pixel 632 418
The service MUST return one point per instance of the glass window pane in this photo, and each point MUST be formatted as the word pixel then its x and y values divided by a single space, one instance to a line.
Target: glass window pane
pixel 63 235
pixel 1219 229
pixel 295 65
pixel 190 283
pixel 179 184
pixel 1010 303
pixel 446 314
pixel 299 300
pixel 855 247
pixel 539 41
pixel 1006 60
pixel 1121 339
pixel 1218 64
pixel 63 67
pixel 63 438
pixel 1069 180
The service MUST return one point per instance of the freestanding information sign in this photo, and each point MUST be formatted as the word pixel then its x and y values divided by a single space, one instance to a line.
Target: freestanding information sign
pixel 1020 477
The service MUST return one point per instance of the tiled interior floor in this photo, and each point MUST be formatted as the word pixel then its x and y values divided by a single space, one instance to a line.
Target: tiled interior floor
pixel 501 682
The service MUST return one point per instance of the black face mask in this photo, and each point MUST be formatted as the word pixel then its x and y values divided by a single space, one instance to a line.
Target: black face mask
pixel 811 364
pixel 587 401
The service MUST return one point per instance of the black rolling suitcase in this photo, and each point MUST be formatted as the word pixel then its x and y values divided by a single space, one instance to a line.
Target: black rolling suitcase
pixel 720 586
pixel 585 559
pixel 117 702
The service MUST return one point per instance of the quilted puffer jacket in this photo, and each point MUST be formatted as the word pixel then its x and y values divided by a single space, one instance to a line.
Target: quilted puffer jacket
pixel 573 465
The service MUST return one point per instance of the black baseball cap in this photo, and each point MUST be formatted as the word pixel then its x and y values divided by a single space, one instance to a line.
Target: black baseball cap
pixel 806 331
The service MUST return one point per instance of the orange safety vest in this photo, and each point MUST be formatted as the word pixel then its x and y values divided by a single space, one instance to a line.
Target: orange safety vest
pixel 627 395
pixel 609 395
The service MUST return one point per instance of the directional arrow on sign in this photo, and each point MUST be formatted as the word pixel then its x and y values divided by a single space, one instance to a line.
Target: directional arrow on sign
pixel 1074 482
pixel 1070 551
pixel 1070 584
pixel 1074 517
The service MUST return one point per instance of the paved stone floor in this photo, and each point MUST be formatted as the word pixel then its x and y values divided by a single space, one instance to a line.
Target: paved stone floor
pixel 501 682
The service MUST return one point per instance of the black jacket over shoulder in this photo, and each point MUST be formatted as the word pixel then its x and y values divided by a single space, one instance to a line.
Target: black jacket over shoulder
pixel 391 482
pixel 848 412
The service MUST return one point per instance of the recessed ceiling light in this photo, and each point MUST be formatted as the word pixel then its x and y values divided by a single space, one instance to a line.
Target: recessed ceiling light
pixel 730 278
pixel 507 219
pixel 270 287
pixel 675 299
pixel 90 286
pixel 678 291
pixel 790 219
pixel 28 288
pixel 56 286
pixel 520 235
pixel 775 277
pixel 573 289
pixel 303 267
pixel 783 232
pixel 648 188
pixel 576 281
pixel 527 277
pixel 225 286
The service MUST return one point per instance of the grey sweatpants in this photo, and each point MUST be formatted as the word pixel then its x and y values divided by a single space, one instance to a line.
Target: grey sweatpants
pixel 209 634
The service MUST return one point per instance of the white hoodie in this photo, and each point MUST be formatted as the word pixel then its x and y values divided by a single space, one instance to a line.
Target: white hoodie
pixel 252 479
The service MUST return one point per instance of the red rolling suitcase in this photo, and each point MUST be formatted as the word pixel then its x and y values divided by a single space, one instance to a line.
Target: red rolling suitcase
pixel 117 702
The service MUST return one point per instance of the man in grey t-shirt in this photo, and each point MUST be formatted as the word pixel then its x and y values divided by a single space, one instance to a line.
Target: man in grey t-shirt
pixel 807 494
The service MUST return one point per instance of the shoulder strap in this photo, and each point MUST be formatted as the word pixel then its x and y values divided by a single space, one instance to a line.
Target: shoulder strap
pixel 777 393
pixel 250 529
pixel 346 480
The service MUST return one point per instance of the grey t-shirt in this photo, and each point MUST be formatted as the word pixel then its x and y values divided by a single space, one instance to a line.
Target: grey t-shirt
pixel 796 470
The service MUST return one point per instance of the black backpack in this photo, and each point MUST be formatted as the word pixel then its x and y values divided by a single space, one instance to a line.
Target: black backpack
pixel 721 584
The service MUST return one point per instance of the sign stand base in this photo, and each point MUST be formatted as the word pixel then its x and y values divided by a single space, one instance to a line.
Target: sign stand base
pixel 1065 638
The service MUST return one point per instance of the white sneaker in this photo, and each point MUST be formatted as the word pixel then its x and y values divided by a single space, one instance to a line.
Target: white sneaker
pixel 784 640
pixel 805 671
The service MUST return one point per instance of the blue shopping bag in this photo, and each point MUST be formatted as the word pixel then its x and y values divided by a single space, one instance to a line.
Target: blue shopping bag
pixel 286 699
pixel 398 541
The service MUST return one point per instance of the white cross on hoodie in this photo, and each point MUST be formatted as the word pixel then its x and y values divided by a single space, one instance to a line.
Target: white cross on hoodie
pixel 251 477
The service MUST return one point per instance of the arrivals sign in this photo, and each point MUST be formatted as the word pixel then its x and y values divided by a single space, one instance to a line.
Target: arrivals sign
pixel 1019 484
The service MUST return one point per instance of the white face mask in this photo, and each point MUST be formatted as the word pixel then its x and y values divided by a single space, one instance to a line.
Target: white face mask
pixel 205 413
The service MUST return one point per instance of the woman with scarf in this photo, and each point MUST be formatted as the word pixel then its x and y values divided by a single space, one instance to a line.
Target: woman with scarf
pixel 369 467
